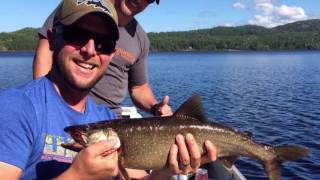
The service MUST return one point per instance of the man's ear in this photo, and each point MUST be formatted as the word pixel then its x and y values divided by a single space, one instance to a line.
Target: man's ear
pixel 51 38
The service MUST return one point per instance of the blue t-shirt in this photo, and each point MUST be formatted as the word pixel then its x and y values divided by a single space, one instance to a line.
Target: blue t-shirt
pixel 32 119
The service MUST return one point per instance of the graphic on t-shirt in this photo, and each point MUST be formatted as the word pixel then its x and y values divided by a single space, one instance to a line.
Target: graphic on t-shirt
pixel 125 55
pixel 54 151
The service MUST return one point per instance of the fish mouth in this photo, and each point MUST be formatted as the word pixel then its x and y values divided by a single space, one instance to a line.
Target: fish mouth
pixel 86 136
pixel 77 132
pixel 76 128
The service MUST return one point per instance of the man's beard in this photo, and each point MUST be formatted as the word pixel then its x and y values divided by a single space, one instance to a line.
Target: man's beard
pixel 68 79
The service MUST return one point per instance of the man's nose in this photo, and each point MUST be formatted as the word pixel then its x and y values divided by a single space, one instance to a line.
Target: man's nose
pixel 89 48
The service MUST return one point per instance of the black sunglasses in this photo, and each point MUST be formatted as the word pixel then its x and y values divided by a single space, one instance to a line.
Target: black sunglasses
pixel 152 1
pixel 78 36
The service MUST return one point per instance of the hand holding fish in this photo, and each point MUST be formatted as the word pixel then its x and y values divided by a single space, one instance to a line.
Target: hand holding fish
pixel 185 157
pixel 189 155
pixel 97 161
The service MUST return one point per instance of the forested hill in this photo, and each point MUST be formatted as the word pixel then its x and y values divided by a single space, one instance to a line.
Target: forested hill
pixel 297 35
pixel 24 39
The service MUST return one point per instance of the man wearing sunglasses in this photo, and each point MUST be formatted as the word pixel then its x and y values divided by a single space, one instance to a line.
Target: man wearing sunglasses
pixel 128 68
pixel 33 116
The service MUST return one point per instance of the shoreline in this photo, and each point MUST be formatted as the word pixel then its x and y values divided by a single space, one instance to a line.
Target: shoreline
pixel 184 51
pixel 16 53
pixel 13 51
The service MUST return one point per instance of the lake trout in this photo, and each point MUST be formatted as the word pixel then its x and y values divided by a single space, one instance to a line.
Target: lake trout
pixel 145 142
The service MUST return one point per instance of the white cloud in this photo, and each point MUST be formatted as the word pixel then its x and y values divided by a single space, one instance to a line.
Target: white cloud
pixel 239 5
pixel 228 25
pixel 267 21
pixel 262 1
pixel 294 13
pixel 268 15
pixel 266 8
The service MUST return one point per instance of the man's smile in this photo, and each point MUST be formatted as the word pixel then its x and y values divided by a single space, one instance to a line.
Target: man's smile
pixel 85 65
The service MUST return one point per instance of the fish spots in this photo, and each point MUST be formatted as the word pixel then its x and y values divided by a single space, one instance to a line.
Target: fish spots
pixel 145 128
pixel 201 127
pixel 267 147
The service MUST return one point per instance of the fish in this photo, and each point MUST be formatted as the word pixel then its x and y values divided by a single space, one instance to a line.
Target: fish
pixel 145 142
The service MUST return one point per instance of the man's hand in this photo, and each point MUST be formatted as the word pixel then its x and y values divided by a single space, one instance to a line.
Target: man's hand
pixel 188 152
pixel 162 108
pixel 184 157
pixel 98 161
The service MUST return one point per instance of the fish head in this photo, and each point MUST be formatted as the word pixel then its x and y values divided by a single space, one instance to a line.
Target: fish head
pixel 86 135
pixel 78 132
pixel 97 135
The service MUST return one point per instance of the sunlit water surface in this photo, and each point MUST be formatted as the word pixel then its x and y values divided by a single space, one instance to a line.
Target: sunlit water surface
pixel 275 95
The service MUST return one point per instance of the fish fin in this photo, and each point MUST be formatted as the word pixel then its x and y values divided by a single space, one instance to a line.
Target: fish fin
pixel 290 152
pixel 192 108
pixel 228 161
pixel 283 153
pixel 248 134
pixel 266 145
pixel 273 169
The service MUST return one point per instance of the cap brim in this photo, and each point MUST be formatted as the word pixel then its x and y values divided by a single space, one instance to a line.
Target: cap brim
pixel 77 16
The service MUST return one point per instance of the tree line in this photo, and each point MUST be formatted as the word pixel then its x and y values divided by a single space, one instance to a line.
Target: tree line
pixel 21 40
pixel 297 35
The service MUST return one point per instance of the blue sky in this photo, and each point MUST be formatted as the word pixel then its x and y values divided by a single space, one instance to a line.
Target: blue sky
pixel 177 15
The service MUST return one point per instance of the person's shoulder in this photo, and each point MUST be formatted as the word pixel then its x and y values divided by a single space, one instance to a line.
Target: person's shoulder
pixel 22 95
pixel 140 30
pixel 142 36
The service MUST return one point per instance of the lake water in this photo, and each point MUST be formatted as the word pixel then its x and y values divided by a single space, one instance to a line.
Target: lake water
pixel 275 95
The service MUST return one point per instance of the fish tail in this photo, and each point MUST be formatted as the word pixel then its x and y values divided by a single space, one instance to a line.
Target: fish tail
pixel 283 153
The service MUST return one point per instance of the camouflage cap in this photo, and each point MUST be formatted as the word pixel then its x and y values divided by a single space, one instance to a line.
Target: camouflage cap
pixel 69 11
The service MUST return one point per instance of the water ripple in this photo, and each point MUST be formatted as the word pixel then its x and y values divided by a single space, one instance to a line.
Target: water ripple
pixel 275 95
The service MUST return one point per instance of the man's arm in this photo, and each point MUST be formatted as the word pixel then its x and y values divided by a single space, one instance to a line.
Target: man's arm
pixel 42 61
pixel 8 171
pixel 142 96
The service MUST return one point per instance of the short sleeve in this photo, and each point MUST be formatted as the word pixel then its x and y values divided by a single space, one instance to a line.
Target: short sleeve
pixel 16 129
pixel 138 71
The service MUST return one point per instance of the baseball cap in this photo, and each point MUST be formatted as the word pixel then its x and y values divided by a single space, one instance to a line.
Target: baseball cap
pixel 70 11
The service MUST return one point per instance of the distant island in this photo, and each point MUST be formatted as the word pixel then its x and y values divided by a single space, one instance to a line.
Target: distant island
pixel 292 36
